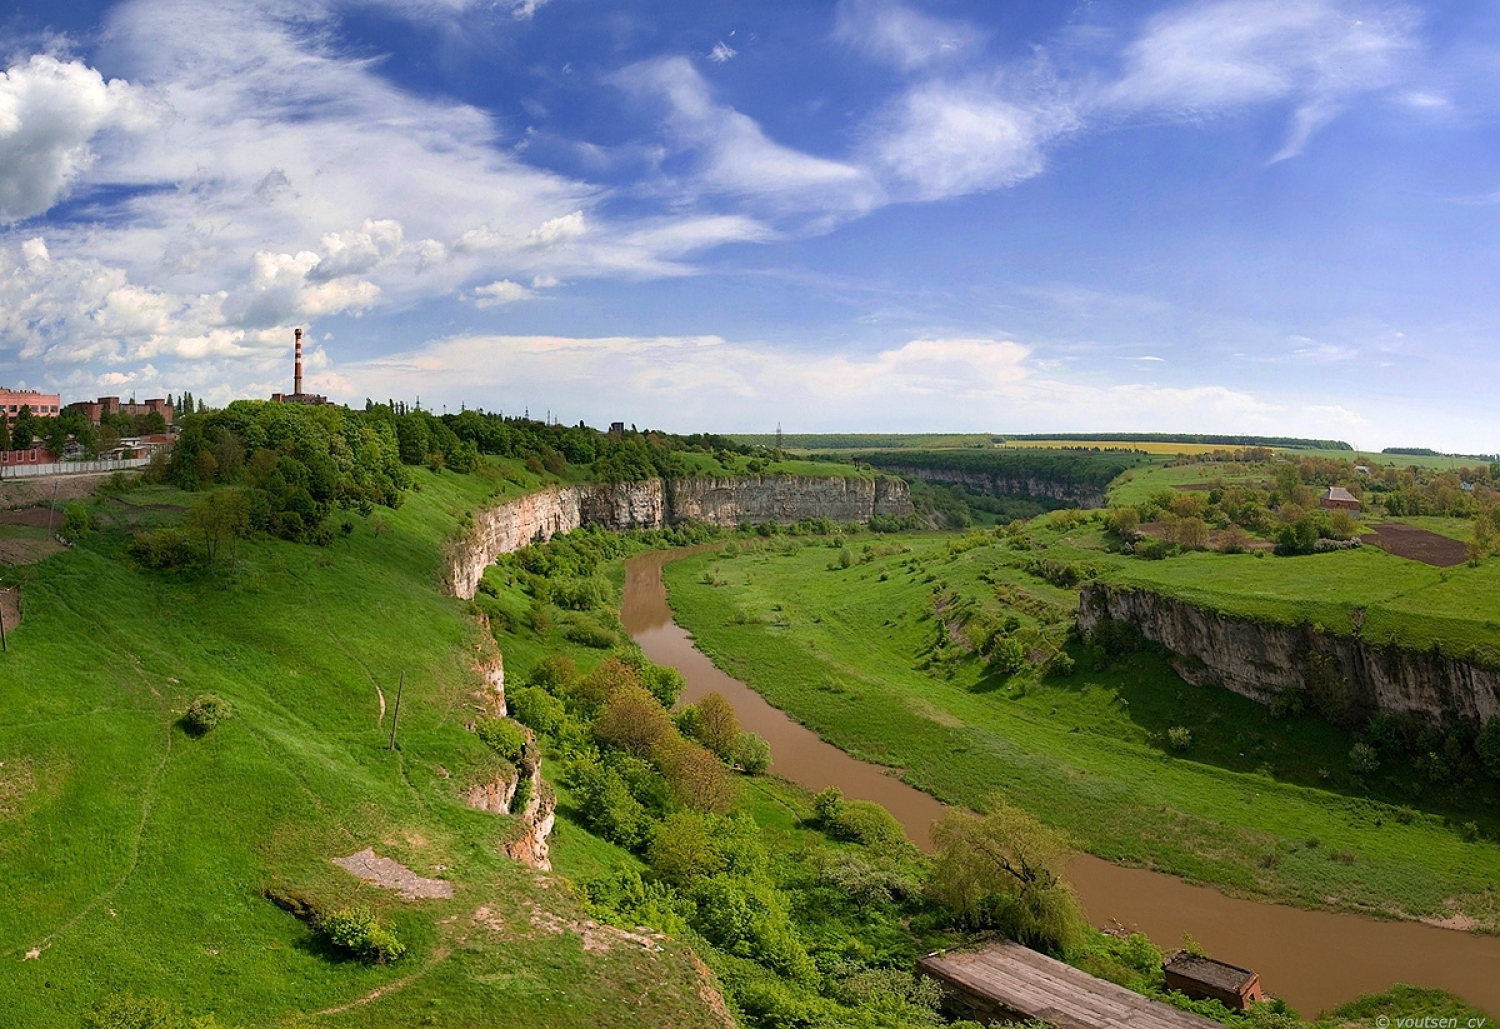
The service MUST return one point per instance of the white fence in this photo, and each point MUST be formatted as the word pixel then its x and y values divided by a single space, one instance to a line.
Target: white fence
pixel 33 471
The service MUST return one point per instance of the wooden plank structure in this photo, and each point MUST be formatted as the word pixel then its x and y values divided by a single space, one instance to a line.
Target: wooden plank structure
pixel 1006 980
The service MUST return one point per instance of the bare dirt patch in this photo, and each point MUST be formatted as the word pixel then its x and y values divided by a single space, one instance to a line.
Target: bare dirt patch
pixel 10 606
pixel 42 489
pixel 1416 544
pixel 27 551
pixel 27 516
pixel 392 875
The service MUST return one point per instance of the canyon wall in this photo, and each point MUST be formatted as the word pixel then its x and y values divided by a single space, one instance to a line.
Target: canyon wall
pixel 1262 660
pixel 655 504
pixel 1004 486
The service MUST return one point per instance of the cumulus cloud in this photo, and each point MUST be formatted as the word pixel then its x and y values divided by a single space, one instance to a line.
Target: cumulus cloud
pixel 50 110
pixel 897 34
pixel 687 381
pixel 502 292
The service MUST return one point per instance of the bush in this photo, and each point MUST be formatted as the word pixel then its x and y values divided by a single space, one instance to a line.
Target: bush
pixel 206 711
pixel 1362 759
pixel 163 548
pixel 682 849
pixel 502 735
pixel 665 683
pixel 751 752
pixel 1007 657
pixel 75 522
pixel 1487 746
pixel 357 932
pixel 608 806
pixel 633 721
pixel 127 1011
pixel 860 821
pixel 535 708
pixel 1179 738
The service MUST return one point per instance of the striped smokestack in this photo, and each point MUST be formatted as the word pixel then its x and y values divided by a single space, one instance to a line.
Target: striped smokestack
pixel 297 379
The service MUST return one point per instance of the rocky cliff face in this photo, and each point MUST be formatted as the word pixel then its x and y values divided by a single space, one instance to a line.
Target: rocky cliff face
pixel 1004 486
pixel 1262 660
pixel 653 504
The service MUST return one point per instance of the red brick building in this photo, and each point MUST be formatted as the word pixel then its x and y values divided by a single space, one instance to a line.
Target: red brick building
pixel 43 405
pixel 32 455
pixel 1336 498
pixel 97 409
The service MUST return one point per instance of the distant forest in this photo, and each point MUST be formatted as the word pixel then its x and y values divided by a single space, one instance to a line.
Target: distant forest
pixel 1291 442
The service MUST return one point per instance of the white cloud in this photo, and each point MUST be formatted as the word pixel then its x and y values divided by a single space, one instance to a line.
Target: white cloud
pixel 896 34
pixel 502 292
pixel 942 139
pixel 49 113
pixel 688 382
pixel 1208 58
pixel 736 156
pixel 721 52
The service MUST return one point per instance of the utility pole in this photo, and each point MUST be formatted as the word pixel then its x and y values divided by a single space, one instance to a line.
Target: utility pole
pixel 55 483
pixel 397 713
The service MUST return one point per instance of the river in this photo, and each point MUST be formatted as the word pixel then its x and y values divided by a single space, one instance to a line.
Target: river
pixel 1315 960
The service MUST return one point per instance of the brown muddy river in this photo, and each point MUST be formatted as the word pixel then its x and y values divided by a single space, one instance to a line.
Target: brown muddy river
pixel 1314 959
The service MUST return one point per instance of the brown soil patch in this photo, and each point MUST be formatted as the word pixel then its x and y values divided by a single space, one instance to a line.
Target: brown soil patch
pixel 27 552
pixel 41 490
pixel 27 516
pixel 10 607
pixel 1417 544
pixel 392 875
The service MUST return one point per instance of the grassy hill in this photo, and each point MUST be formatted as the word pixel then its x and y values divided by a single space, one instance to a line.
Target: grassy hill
pixel 134 855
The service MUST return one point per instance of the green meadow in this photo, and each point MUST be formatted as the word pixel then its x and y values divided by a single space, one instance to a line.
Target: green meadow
pixel 134 856
pixel 875 654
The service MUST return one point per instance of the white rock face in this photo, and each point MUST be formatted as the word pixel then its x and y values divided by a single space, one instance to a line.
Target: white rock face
pixel 652 504
pixel 1260 660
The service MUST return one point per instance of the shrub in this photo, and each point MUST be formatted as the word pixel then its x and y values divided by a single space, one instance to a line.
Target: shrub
pixel 588 632
pixel 751 752
pixel 697 777
pixel 1060 665
pixel 633 721
pixel 75 522
pixel 535 708
pixel 1470 831
pixel 1487 746
pixel 206 711
pixel 1006 658
pixel 502 735
pixel 162 548
pixel 665 683
pixel 608 806
pixel 1362 759
pixel 554 673
pixel 127 1011
pixel 682 849
pixel 1179 738
pixel 860 821
pixel 357 932
pixel 717 725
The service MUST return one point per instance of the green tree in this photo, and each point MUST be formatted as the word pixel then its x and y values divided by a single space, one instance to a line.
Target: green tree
pixel 22 434
pixel 1002 871
pixel 219 521
pixel 633 721
pixel 717 725
pixel 682 849
pixel 75 522
pixel 1487 746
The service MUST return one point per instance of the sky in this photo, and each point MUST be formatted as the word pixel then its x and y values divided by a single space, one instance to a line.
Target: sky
pixel 1233 216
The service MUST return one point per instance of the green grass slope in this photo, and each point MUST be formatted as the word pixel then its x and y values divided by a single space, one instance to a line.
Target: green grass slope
pixel 851 652
pixel 133 855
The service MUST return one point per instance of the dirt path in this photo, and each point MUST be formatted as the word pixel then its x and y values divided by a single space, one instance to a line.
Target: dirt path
pixel 1408 541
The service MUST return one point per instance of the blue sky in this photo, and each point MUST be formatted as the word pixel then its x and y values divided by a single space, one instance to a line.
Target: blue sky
pixel 1230 216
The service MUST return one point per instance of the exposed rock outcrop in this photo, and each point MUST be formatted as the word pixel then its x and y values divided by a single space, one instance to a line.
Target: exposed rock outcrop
pixel 1261 659
pixel 1004 486
pixel 654 504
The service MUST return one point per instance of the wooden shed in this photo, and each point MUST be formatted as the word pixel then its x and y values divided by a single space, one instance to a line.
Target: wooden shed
pixel 1336 498
pixel 1004 980
pixel 1202 978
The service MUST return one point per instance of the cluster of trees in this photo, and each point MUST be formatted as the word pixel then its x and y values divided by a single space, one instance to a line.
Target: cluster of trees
pixel 1261 442
pixel 290 466
pixel 547 447
pixel 53 433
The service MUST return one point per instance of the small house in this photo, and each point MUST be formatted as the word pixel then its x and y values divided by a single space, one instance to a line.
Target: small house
pixel 1201 978
pixel 1336 498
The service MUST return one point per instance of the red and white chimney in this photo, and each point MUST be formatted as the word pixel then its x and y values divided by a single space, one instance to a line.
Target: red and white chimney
pixel 297 379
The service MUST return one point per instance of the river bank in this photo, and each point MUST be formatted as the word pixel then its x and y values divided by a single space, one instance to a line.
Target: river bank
pixel 1314 959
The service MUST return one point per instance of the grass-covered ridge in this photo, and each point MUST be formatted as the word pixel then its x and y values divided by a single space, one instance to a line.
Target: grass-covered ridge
pixel 882 655
pixel 134 854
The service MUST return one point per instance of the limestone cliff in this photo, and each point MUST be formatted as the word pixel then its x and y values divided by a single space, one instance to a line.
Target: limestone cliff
pixel 1261 660
pixel 654 504
pixel 1004 486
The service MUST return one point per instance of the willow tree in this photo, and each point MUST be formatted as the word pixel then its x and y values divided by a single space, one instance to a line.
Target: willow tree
pixel 1003 870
